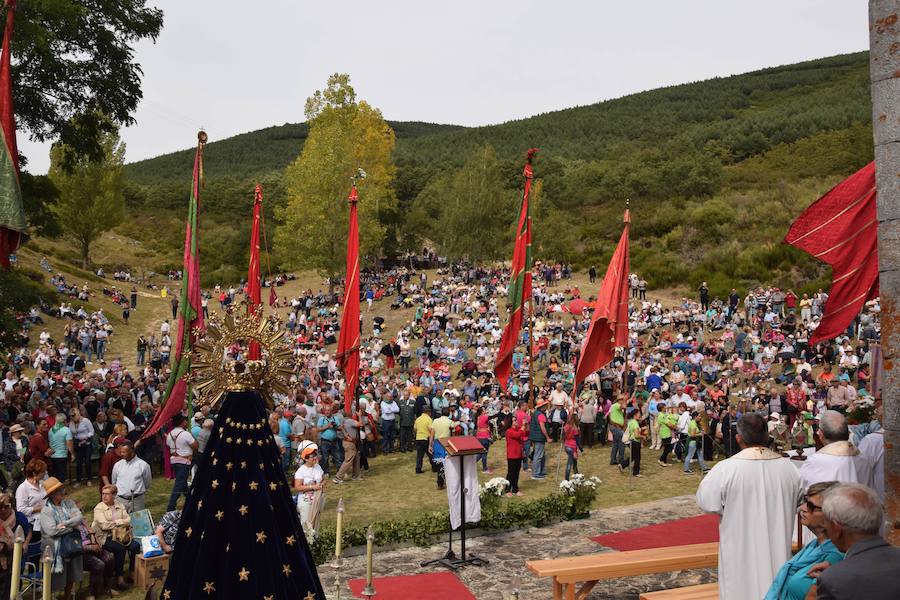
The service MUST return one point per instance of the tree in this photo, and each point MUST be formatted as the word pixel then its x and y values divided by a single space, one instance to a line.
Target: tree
pixel 470 212
pixel 74 61
pixel 19 292
pixel 344 136
pixel 91 192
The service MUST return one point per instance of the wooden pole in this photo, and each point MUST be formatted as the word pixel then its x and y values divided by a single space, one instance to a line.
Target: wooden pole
pixel 531 398
pixel 884 65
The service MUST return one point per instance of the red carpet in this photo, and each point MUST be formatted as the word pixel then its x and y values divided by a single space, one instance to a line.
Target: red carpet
pixel 693 530
pixel 425 586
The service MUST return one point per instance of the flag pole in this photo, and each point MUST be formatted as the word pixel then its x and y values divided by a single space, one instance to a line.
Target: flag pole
pixel 627 222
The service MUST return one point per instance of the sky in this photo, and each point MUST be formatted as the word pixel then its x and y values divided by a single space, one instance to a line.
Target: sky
pixel 233 67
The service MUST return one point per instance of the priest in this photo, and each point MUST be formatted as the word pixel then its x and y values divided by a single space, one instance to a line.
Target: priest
pixel 755 494
pixel 838 460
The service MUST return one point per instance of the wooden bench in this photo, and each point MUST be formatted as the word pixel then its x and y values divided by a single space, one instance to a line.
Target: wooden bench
pixel 588 570
pixel 707 591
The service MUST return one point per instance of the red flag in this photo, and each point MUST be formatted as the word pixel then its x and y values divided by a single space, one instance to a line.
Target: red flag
pixel 609 323
pixel 519 281
pixel 348 342
pixel 253 291
pixel 12 213
pixel 190 314
pixel 841 229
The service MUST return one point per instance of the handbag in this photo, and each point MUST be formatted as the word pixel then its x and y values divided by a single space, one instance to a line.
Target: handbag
pixel 70 545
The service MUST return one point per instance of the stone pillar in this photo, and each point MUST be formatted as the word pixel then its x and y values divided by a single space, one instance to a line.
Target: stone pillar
pixel 884 61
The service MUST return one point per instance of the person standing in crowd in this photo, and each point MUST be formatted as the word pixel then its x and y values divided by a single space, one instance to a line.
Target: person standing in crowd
pixel 570 442
pixel 694 437
pixel 309 483
pixel 854 518
pixel 389 411
pixel 407 406
pixel 422 428
pixel 616 420
pixel 182 446
pixel 667 421
pixel 635 434
pixel 328 427
pixel 483 434
pixel 83 432
pixel 516 435
pixel 538 437
pixel 30 498
pixel 131 476
pixel 60 439
pixel 441 428
pixel 756 481
pixel 350 427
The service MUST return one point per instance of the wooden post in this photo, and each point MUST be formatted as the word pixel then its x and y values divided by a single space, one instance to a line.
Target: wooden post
pixel 884 64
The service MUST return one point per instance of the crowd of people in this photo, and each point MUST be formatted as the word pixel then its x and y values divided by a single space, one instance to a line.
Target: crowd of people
pixel 692 371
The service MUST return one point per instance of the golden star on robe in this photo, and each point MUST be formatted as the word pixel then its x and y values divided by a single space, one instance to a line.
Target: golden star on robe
pixel 273 486
pixel 269 597
pixel 244 574
pixel 215 483
pixel 233 485
pixel 221 430
pixel 228 440
pixel 286 569
pixel 199 504
pixel 228 466
pixel 253 485
pixel 261 537
pixel 166 594
pixel 188 531
pixel 240 441
pixel 290 540
pixel 215 461
pixel 310 596
pixel 243 510
pixel 259 442
pixel 262 467
pixel 219 515
pixel 243 464
pixel 209 588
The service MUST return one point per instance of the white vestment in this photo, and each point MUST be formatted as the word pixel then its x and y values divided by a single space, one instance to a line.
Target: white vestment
pixel 755 494
pixel 872 447
pixel 838 461
pixel 469 484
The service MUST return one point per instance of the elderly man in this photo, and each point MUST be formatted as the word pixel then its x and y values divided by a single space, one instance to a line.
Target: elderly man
pixel 131 476
pixel 755 494
pixel 837 460
pixel 853 518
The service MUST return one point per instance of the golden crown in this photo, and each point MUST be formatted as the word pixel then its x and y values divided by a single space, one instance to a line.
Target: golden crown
pixel 219 362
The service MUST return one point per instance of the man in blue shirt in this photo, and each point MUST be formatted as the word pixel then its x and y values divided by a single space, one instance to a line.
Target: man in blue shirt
pixel 330 443
pixel 284 432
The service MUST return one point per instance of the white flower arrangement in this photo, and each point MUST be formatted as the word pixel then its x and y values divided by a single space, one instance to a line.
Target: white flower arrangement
pixel 578 480
pixel 493 487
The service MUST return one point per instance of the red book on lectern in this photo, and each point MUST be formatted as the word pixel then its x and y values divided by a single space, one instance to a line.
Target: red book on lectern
pixel 462 444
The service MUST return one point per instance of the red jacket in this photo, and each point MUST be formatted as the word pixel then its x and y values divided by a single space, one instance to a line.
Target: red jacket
pixel 515 442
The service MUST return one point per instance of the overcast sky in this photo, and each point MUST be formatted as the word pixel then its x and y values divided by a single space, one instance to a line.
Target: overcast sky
pixel 233 67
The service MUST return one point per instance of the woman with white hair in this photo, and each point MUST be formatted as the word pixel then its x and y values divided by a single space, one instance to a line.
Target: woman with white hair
pixel 309 483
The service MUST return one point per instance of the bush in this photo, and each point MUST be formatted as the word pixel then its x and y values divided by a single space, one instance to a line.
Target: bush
pixel 419 530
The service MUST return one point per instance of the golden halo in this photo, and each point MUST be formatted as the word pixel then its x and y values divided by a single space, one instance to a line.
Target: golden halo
pixel 214 372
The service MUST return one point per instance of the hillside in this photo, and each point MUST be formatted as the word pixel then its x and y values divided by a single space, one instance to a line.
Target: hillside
pixel 715 170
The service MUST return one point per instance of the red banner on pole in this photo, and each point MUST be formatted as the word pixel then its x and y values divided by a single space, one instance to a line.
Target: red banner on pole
pixel 348 342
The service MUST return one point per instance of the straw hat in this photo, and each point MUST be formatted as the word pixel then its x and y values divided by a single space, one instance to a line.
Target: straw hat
pixel 16 428
pixel 541 402
pixel 51 484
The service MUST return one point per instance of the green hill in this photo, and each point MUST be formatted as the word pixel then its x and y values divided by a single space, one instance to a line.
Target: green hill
pixel 715 170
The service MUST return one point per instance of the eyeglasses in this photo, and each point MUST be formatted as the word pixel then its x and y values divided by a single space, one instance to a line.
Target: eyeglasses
pixel 810 507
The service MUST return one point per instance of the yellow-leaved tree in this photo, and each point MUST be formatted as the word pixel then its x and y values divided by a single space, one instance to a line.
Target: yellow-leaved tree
pixel 345 135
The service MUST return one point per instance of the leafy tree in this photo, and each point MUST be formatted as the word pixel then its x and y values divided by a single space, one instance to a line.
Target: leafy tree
pixel 471 211
pixel 344 135
pixel 74 61
pixel 91 192
pixel 39 195
pixel 19 291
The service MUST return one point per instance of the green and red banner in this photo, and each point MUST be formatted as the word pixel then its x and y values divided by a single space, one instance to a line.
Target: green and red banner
pixel 190 313
pixel 12 213
pixel 348 343
pixel 519 282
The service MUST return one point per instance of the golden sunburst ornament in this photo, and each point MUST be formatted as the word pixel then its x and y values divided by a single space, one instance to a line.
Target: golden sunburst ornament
pixel 219 362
